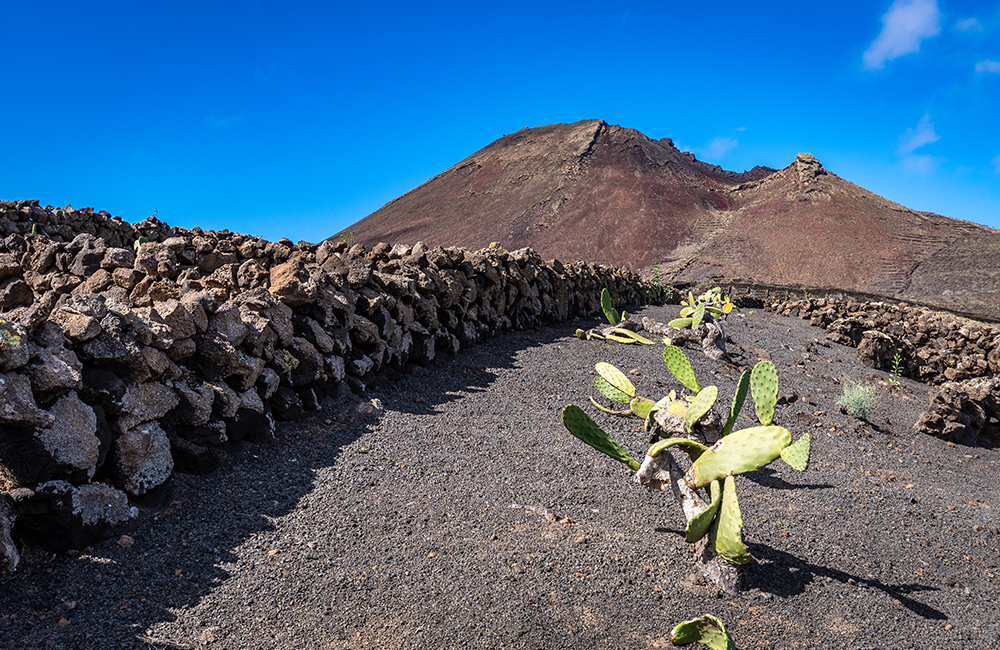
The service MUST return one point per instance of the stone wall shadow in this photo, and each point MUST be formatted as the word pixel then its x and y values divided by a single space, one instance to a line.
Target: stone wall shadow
pixel 183 544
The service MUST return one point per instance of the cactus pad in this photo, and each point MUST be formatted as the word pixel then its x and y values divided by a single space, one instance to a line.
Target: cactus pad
pixel 738 399
pixel 726 528
pixel 680 367
pixel 580 425
pixel 697 526
pixel 738 453
pixel 680 323
pixel 700 405
pixel 698 316
pixel 609 310
pixel 609 391
pixel 797 455
pixel 707 630
pixel 620 339
pixel 764 388
pixel 641 407
pixel 693 449
pixel 632 335
pixel 604 409
pixel 616 378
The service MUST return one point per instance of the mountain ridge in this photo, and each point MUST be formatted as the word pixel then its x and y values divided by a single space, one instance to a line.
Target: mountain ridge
pixel 606 194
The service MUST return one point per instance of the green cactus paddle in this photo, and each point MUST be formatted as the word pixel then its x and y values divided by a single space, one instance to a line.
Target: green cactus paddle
pixel 609 311
pixel 744 451
pixel 764 389
pixel 580 425
pixel 697 526
pixel 738 399
pixel 700 405
pixel 680 367
pixel 797 455
pixel 725 530
pixel 707 630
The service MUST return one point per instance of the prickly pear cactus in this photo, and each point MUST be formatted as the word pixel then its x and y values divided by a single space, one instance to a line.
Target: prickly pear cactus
pixel 744 451
pixel 726 529
pixel 680 367
pixel 680 323
pixel 700 405
pixel 764 389
pixel 580 425
pixel 609 311
pixel 707 630
pixel 738 398
pixel 797 455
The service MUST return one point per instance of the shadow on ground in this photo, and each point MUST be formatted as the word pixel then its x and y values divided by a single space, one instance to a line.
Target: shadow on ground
pixel 107 596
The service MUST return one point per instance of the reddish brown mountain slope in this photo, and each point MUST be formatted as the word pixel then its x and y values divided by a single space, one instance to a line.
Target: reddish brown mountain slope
pixel 601 193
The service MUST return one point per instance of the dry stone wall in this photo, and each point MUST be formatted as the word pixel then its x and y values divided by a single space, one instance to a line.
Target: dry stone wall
pixel 122 364
pixel 960 356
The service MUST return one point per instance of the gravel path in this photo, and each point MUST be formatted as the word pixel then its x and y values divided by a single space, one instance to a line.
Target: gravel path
pixel 466 516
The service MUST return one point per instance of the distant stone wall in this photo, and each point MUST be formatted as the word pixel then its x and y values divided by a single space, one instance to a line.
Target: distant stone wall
pixel 935 346
pixel 958 355
pixel 119 367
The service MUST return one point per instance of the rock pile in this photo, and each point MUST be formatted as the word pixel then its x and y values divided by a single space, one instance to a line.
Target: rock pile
pixel 120 364
pixel 965 412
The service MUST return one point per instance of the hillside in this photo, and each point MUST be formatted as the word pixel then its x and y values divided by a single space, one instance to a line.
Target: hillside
pixel 602 193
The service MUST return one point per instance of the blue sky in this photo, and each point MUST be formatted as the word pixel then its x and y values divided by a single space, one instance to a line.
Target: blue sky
pixel 296 119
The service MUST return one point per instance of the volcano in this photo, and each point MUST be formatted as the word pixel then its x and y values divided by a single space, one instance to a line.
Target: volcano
pixel 596 192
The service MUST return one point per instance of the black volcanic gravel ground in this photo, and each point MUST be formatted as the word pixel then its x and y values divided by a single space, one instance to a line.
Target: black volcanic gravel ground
pixel 427 529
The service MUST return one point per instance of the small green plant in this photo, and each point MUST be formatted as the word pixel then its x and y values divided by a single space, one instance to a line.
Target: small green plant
pixel 896 368
pixel 34 229
pixel 349 238
pixel 288 362
pixel 8 339
pixel 858 399
pixel 138 243
pixel 665 291
pixel 707 630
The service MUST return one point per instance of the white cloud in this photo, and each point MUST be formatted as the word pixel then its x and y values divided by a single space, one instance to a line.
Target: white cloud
pixel 905 25
pixel 913 139
pixel 969 25
pixel 988 66
pixel 923 164
pixel 717 149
